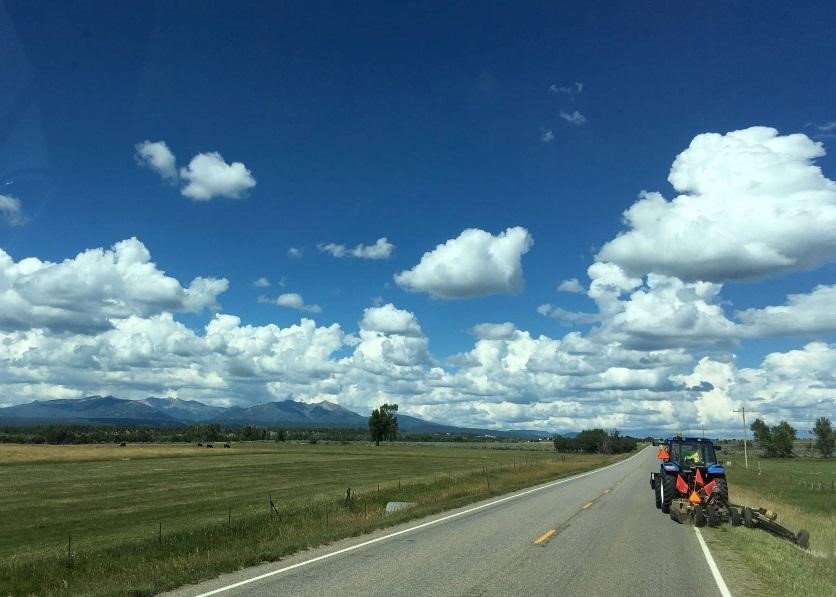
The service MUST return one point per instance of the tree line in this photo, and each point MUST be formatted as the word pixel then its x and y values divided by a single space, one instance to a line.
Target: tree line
pixel 596 441
pixel 383 426
pixel 211 432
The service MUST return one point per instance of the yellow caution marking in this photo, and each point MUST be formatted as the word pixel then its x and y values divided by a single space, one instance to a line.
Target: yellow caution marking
pixel 585 506
pixel 544 538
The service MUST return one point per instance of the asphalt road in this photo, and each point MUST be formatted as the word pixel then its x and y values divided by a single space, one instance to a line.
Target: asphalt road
pixel 608 539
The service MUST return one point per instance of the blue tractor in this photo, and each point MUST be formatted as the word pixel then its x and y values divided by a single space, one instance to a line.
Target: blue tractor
pixel 689 469
pixel 691 486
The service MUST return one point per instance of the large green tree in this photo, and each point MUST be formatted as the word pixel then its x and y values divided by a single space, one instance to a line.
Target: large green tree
pixel 777 441
pixel 783 437
pixel 383 423
pixel 825 438
pixel 762 434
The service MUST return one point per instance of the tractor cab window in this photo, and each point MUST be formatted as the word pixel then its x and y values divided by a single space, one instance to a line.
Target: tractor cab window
pixel 695 453
pixel 692 454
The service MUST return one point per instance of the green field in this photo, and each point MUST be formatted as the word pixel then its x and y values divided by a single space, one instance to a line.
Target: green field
pixel 803 493
pixel 149 517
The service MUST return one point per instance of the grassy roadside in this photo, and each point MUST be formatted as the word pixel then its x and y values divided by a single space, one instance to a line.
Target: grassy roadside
pixel 108 557
pixel 755 562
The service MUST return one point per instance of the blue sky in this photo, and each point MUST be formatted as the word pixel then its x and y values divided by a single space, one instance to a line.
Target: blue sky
pixel 415 122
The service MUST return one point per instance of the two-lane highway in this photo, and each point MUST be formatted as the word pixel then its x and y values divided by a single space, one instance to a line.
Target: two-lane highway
pixel 595 534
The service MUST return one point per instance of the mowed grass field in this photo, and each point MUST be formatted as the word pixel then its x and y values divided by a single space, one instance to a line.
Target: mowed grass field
pixel 144 518
pixel 801 491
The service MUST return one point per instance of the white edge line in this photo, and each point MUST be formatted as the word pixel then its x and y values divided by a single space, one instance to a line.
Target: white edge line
pixel 718 578
pixel 423 525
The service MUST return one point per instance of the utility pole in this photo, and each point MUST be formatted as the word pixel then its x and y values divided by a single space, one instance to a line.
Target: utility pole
pixel 742 412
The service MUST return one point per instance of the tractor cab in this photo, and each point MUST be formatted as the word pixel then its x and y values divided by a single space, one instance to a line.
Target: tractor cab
pixel 691 453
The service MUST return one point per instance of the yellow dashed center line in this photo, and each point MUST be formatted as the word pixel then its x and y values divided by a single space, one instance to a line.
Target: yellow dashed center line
pixel 544 538
pixel 585 506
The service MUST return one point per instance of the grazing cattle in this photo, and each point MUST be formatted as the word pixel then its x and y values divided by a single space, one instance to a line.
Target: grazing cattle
pixel 122 445
pixel 209 446
pixel 227 446
pixel 199 444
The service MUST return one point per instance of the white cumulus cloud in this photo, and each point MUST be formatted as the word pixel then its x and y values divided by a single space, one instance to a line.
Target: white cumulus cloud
pixel 715 380
pixel 476 263
pixel 570 90
pixel 571 285
pixel 494 331
pixel 804 314
pixel 388 319
pixel 291 300
pixel 575 317
pixel 795 386
pixel 11 211
pixel 262 282
pixel 209 176
pixel 158 157
pixel 752 204
pixel 381 249
pixel 87 292
pixel 670 313
pixel 575 118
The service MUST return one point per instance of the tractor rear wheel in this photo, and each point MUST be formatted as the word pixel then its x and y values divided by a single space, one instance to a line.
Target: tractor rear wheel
pixel 734 517
pixel 748 518
pixel 668 484
pixel 713 516
pixel 657 493
pixel 699 516
pixel 721 488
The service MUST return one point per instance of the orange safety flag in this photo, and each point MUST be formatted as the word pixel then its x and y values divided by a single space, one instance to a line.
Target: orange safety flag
pixel 694 498
pixel 709 488
pixel 698 479
pixel 681 485
pixel 662 454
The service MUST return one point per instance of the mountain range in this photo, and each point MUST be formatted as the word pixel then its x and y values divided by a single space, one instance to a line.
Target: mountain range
pixel 166 412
